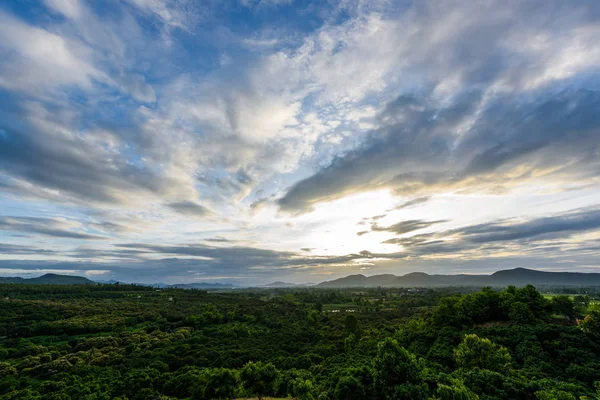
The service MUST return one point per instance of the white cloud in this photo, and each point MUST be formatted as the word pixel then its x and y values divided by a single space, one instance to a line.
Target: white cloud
pixel 34 57
pixel 69 8
pixel 174 13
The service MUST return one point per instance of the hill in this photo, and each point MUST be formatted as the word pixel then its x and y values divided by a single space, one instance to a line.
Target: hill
pixel 50 279
pixel 516 276
pixel 56 279
pixel 279 284
pixel 202 285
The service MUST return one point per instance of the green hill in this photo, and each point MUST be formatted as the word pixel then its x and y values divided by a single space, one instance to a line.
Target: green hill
pixel 49 279
pixel 516 276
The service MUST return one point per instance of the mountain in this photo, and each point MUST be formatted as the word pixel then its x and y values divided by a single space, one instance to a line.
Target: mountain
pixel 195 285
pixel 50 279
pixel 517 277
pixel 202 285
pixel 280 284
pixel 513 276
pixel 108 282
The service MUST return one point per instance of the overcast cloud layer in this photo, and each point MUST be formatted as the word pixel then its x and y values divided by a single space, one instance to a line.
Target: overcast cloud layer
pixel 253 141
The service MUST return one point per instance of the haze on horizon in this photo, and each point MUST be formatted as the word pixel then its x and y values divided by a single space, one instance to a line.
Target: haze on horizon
pixel 251 141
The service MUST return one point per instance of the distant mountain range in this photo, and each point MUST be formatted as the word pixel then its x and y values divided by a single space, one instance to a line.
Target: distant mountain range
pixel 195 285
pixel 517 277
pixel 203 285
pixel 50 279
pixel 280 284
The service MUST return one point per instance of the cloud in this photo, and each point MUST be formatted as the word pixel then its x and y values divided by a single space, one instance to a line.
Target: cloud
pixel 449 100
pixel 219 239
pixel 69 8
pixel 505 243
pixel 422 148
pixel 15 249
pixel 550 237
pixel 58 228
pixel 473 108
pixel 407 226
pixel 42 149
pixel 190 208
pixel 34 57
pixel 264 3
pixel 243 259
pixel 563 225
pixel 413 202
pixel 173 13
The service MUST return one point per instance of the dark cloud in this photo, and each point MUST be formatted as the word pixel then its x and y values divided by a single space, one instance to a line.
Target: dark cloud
pixel 244 259
pixel 534 229
pixel 407 226
pixel 219 239
pixel 413 202
pixel 6 248
pixel 46 227
pixel 490 108
pixel 190 208
pixel 111 227
pixel 411 241
pixel 229 257
pixel 402 227
pixel 418 147
pixel 543 236
pixel 94 254
pixel 43 150
pixel 505 243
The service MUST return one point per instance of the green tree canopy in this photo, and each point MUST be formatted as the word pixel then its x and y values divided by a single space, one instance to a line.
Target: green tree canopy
pixel 476 352
pixel 259 378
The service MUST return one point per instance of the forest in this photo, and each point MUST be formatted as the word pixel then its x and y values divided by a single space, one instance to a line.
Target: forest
pixel 96 342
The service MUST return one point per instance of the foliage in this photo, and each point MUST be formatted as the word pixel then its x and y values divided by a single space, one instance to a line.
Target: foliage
pixel 476 352
pixel 259 378
pixel 131 342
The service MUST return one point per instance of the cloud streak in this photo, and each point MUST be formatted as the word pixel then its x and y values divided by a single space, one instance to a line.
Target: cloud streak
pixel 46 227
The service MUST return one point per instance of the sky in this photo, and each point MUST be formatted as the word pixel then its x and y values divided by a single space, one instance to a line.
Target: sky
pixel 252 141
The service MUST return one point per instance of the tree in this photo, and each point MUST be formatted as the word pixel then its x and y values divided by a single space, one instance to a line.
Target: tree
pixel 349 388
pixel 534 299
pixel 303 389
pixel 349 342
pixel 259 378
pixel 393 367
pixel 590 325
pixel 219 383
pixel 351 323
pixel 521 313
pixel 456 391
pixel 313 317
pixel 476 352
pixel 581 302
pixel 563 305
pixel 554 394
